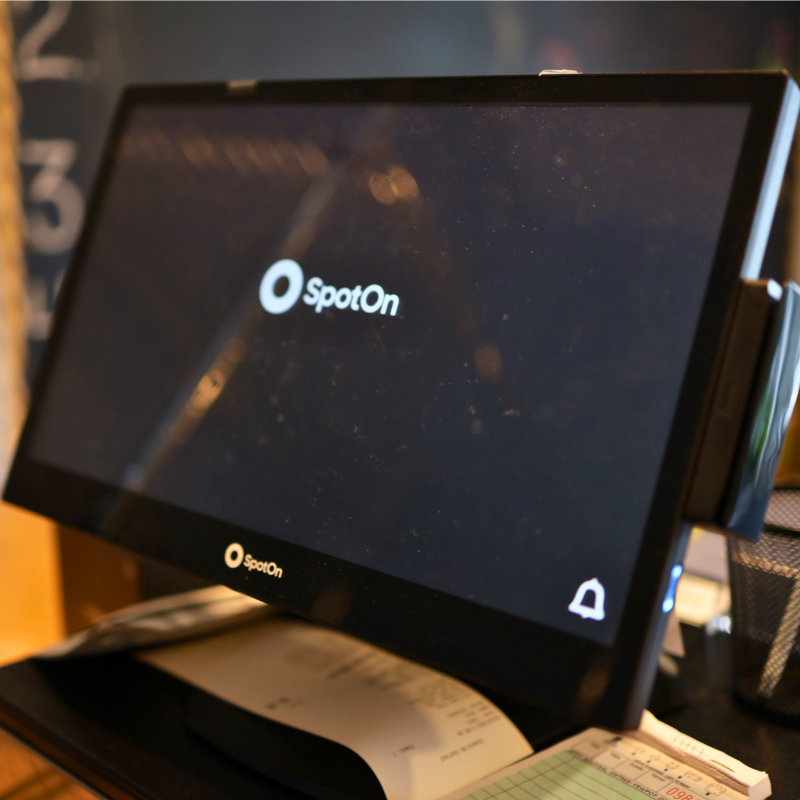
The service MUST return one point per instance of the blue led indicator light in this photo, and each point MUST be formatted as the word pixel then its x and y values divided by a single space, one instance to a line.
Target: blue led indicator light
pixel 669 599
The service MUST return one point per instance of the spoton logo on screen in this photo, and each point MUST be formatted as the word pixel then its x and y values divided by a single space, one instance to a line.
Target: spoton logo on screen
pixel 370 300
pixel 234 557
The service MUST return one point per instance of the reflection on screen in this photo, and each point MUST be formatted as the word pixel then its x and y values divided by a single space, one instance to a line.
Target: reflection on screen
pixel 445 343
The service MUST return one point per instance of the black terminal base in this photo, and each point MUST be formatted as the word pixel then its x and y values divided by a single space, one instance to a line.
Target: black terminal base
pixel 326 770
pixel 311 764
pixel 316 766
pixel 128 730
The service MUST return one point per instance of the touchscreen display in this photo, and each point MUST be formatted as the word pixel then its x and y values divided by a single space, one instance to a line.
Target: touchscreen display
pixel 442 342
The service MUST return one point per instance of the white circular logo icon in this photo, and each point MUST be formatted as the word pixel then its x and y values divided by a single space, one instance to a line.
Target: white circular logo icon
pixel 285 268
pixel 234 555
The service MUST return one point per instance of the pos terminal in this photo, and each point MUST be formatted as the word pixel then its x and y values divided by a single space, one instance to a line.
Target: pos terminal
pixel 451 365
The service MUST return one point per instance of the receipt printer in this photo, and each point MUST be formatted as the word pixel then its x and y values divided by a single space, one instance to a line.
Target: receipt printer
pixel 753 396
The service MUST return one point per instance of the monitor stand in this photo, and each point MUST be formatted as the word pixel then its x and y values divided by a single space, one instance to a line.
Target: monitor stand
pixel 319 767
pixel 326 770
pixel 313 765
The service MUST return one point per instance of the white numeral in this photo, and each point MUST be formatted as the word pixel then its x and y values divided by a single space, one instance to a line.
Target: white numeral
pixel 31 66
pixel 50 185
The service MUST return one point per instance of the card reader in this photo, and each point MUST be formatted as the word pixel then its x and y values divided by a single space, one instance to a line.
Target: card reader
pixel 752 402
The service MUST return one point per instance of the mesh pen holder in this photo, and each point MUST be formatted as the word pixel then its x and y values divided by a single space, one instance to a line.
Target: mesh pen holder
pixel 765 609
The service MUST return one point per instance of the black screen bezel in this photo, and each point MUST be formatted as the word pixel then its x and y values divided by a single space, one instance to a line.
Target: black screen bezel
pixel 508 653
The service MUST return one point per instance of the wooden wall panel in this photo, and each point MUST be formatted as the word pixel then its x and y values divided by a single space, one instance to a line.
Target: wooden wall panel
pixel 31 616
pixel 97 578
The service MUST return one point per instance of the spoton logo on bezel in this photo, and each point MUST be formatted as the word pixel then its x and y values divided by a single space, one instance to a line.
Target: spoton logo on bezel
pixel 371 300
pixel 235 557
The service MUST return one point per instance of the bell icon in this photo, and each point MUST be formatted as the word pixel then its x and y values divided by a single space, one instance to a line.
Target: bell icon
pixel 595 608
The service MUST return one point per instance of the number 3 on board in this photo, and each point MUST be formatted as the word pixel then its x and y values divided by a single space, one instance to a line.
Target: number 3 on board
pixel 50 185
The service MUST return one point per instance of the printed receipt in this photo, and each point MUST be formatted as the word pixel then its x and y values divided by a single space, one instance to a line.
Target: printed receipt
pixel 423 733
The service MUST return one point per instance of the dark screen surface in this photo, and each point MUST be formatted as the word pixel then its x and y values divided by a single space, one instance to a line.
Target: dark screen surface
pixel 497 432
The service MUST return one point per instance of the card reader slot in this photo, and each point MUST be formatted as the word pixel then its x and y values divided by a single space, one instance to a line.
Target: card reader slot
pixel 748 329
pixel 755 393
pixel 764 431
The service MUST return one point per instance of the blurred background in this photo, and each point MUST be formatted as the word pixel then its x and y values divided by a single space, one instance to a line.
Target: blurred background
pixel 64 66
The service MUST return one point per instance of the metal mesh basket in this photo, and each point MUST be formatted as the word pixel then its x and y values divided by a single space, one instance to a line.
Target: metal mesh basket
pixel 784 508
pixel 765 597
